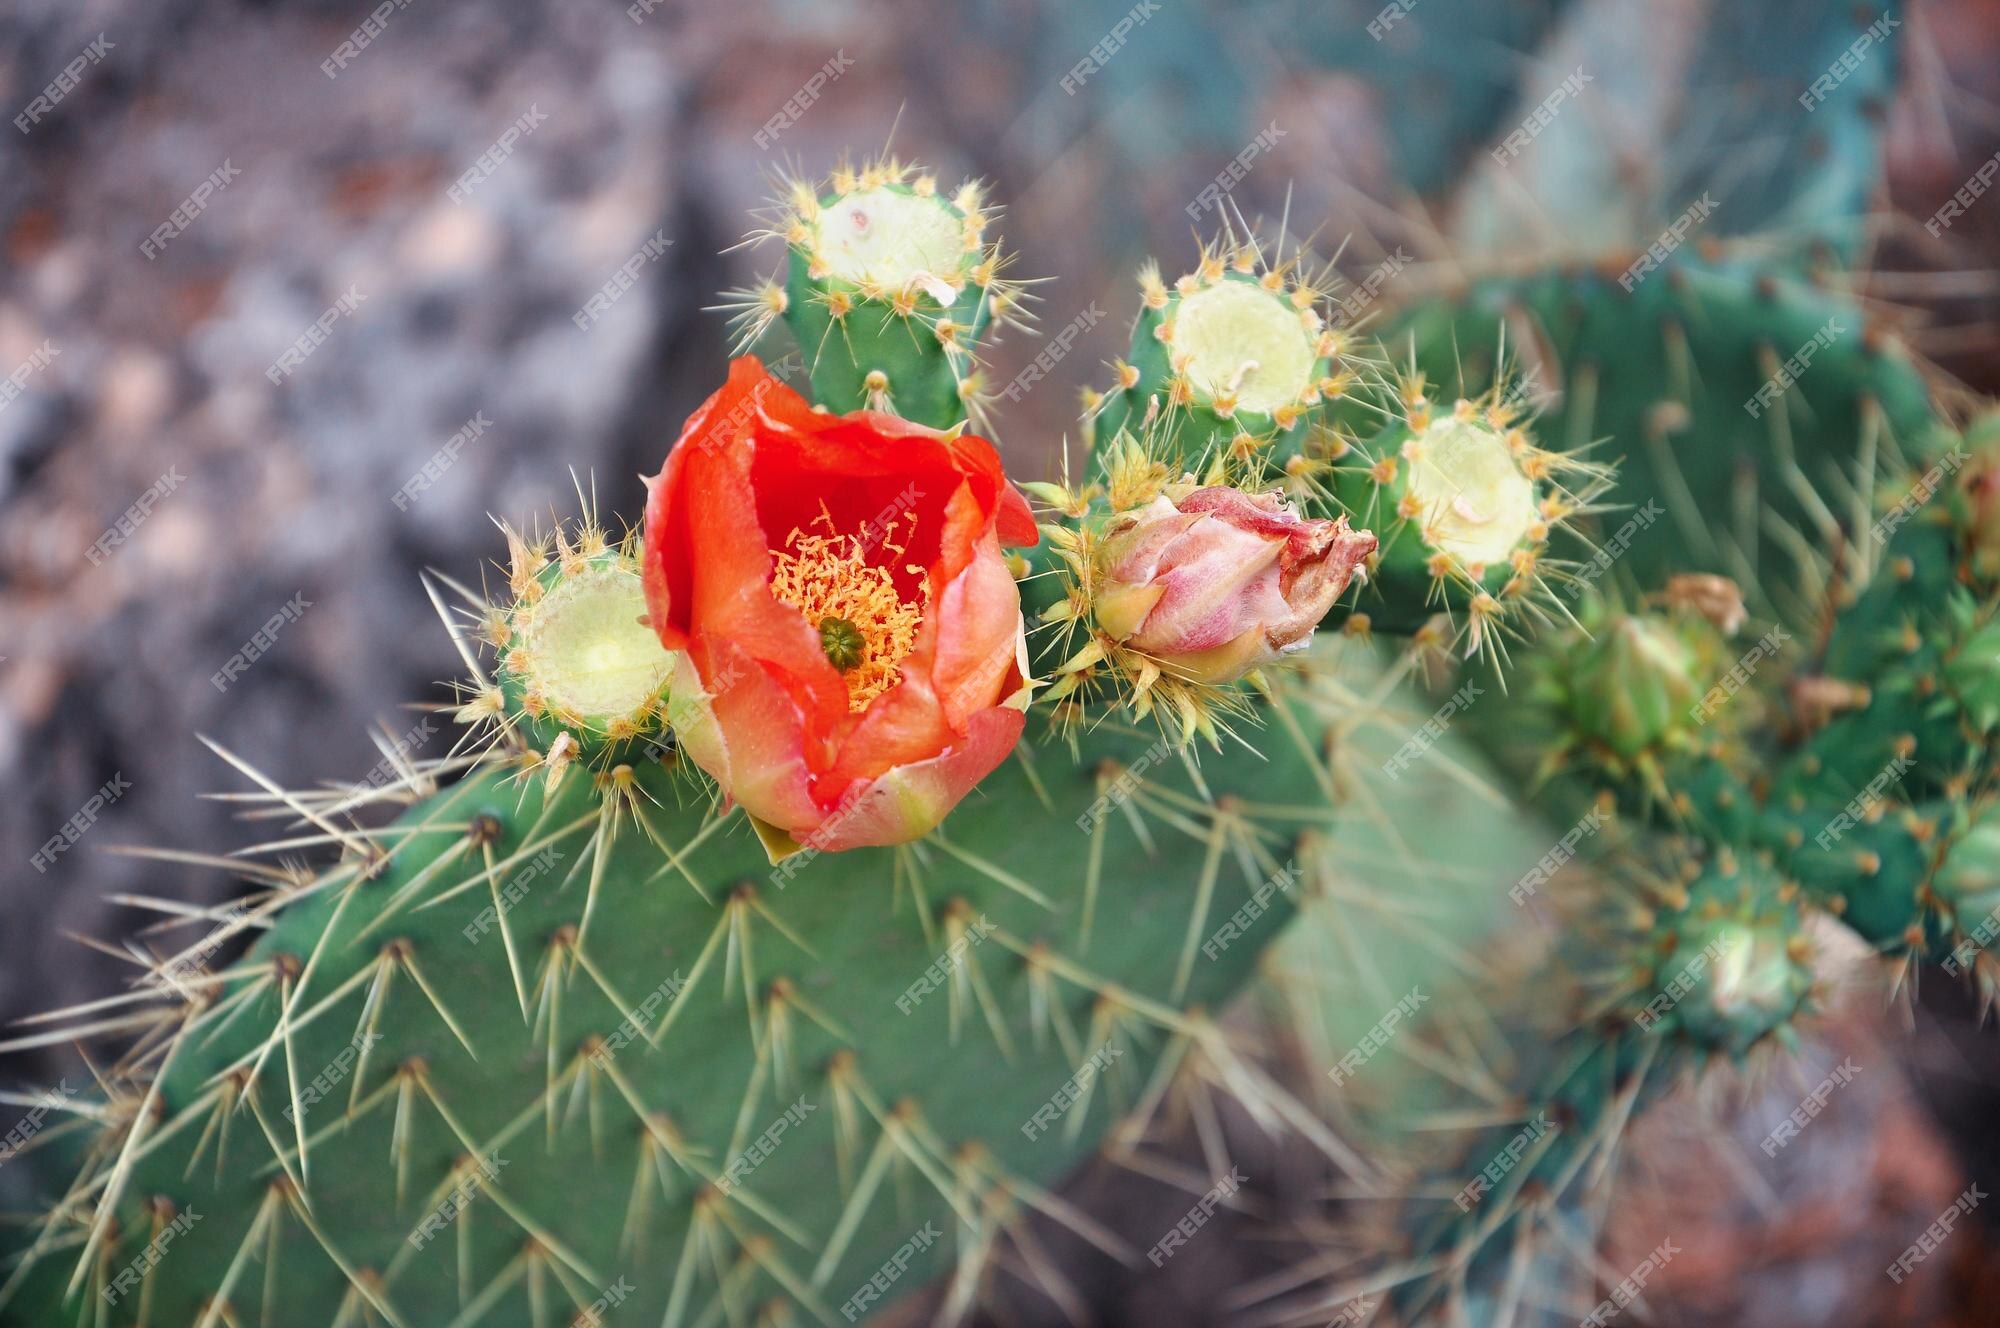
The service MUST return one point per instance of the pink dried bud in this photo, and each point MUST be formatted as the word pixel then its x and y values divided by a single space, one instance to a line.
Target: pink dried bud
pixel 1222 581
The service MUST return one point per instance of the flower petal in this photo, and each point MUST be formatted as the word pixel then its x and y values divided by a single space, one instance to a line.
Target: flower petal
pixel 911 800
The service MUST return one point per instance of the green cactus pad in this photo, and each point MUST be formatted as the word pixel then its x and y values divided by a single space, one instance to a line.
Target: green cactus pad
pixel 540 1041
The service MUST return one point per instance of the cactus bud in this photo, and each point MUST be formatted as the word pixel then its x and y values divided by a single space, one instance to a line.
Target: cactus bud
pixel 1631 687
pixel 1732 975
pixel 1218 582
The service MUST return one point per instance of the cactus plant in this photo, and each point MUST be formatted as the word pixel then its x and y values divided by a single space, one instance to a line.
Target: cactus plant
pixel 835 864
pixel 581 1024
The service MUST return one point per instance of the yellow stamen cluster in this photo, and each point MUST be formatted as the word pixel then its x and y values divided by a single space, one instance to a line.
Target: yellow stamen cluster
pixel 829 579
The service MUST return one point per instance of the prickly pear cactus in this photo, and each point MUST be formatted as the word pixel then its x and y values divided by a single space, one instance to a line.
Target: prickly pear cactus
pixel 838 860
pixel 597 1025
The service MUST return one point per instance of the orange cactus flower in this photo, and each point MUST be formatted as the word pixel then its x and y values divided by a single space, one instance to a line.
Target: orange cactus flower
pixel 853 659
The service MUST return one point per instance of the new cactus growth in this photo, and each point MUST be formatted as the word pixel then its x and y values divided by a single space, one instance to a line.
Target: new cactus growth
pixel 889 287
pixel 578 671
pixel 1236 355
pixel 1465 502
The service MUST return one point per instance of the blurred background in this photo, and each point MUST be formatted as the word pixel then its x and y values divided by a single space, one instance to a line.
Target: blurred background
pixel 289 301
